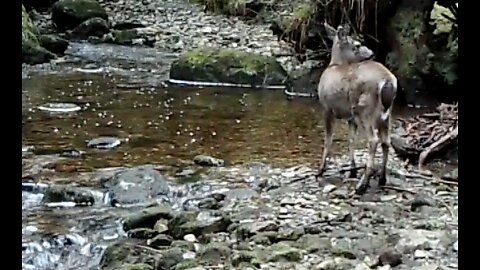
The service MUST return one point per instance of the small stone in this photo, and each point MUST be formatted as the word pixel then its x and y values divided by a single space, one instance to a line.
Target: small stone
pixel 190 238
pixel 420 254
pixel 329 188
pixel 161 226
pixel 387 198
pixel 455 246
pixel 204 160
pixel 142 233
pixel 287 201
pixel 161 240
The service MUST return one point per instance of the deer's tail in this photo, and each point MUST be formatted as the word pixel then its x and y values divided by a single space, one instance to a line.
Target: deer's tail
pixel 387 92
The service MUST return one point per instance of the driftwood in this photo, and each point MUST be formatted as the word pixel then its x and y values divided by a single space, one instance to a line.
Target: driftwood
pixel 426 136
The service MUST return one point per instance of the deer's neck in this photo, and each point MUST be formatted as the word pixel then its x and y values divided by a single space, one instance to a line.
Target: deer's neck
pixel 337 57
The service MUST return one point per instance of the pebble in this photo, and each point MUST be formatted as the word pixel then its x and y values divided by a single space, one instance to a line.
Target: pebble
pixel 420 254
pixel 190 238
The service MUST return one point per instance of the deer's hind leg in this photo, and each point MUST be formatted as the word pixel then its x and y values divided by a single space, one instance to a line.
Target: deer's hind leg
pixel 352 133
pixel 373 140
pixel 327 144
pixel 384 137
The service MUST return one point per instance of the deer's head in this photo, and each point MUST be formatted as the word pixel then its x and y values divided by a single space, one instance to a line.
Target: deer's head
pixel 345 49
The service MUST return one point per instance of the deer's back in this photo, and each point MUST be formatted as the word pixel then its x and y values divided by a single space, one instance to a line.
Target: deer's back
pixel 342 87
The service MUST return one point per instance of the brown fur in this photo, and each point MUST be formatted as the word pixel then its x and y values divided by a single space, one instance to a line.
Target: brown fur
pixel 361 91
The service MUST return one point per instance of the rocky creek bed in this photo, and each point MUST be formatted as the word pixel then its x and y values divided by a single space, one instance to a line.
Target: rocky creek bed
pixel 239 217
pixel 147 199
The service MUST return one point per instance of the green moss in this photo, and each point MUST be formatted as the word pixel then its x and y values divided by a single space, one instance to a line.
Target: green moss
pixel 29 32
pixel 243 61
pixel 302 11
pixel 442 24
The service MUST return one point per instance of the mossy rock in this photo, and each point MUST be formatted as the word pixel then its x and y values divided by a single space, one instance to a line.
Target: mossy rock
pixel 32 52
pixel 214 65
pixel 126 253
pixel 283 252
pixel 94 27
pixel 54 43
pixel 67 14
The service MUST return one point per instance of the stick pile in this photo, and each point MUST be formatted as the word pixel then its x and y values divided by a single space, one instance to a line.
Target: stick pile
pixel 418 137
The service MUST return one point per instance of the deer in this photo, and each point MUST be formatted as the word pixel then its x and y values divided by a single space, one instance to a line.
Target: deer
pixel 355 88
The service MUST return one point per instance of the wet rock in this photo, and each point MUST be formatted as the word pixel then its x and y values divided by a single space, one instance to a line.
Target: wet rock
pixel 215 252
pixel 335 264
pixel 314 243
pixel 32 51
pixel 54 43
pixel 228 66
pixel 104 143
pixel 184 245
pixel 161 240
pixel 411 240
pixel 169 259
pixel 190 238
pixel 247 230
pixel 147 217
pixel 161 226
pixel 419 201
pixel 125 252
pixel 67 14
pixel 204 160
pixel 77 195
pixel 343 249
pixel 243 257
pixel 420 254
pixel 209 203
pixel 451 175
pixel 283 252
pixel 188 264
pixel 142 233
pixel 94 27
pixel 121 37
pixel 136 185
pixel 198 223
pixel 390 258
pixel 136 266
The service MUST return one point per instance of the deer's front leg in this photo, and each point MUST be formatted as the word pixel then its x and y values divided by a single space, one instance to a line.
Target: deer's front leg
pixel 327 144
pixel 352 133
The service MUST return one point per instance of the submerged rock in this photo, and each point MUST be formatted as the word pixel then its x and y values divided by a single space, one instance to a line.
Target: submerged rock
pixel 104 143
pixel 204 160
pixel 67 14
pixel 77 195
pixel 136 185
pixel 211 65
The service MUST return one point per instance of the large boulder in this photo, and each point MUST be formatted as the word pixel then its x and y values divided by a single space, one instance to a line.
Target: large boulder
pixel 141 184
pixel 32 52
pixel 67 14
pixel 219 65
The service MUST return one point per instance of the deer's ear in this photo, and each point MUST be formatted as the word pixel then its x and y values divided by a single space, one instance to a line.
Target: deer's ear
pixel 331 32
pixel 342 32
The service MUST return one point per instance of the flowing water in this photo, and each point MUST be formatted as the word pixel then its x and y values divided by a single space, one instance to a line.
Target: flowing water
pixel 121 93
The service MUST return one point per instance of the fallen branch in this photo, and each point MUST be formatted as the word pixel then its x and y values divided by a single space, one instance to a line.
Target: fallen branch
pixel 437 146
